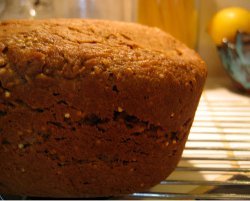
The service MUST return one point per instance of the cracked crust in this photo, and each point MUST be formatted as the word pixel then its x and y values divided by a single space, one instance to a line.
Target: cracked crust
pixel 88 101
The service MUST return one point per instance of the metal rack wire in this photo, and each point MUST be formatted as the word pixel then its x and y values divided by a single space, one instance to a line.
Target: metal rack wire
pixel 216 160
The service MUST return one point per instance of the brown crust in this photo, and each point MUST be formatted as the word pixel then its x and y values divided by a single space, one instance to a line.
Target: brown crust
pixel 87 104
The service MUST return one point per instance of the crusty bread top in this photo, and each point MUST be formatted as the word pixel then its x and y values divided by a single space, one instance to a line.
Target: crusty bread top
pixel 75 47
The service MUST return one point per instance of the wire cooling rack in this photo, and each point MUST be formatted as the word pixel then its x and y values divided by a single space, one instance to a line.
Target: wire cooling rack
pixel 216 161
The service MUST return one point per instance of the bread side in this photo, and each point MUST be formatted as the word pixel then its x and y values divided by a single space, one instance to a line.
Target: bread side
pixel 89 104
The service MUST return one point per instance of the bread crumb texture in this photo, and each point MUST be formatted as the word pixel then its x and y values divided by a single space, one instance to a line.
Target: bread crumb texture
pixel 75 48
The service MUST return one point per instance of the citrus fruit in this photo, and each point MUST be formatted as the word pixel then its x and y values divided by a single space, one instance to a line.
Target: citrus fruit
pixel 227 22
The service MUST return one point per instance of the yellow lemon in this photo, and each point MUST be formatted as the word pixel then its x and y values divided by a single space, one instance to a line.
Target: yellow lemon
pixel 226 22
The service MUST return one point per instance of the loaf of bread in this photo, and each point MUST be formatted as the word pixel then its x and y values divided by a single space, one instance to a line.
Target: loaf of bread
pixel 92 108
